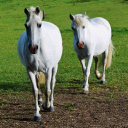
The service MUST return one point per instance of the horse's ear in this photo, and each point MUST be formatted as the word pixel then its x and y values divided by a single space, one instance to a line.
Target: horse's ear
pixel 84 14
pixel 43 14
pixel 26 11
pixel 71 17
pixel 37 10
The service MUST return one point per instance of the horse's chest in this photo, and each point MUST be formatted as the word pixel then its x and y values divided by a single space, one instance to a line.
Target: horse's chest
pixel 31 62
pixel 35 63
pixel 83 53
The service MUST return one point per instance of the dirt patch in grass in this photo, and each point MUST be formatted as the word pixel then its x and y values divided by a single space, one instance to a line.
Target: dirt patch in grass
pixel 72 110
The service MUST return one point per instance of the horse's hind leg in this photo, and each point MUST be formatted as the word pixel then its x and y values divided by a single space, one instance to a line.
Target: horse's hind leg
pixel 39 90
pixel 53 80
pixel 104 60
pixel 98 75
pixel 50 84
pixel 37 116
pixel 48 75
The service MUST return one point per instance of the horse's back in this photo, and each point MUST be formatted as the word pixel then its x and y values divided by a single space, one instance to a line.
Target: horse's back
pixel 51 42
pixel 101 34
pixel 49 25
pixel 50 30
pixel 100 21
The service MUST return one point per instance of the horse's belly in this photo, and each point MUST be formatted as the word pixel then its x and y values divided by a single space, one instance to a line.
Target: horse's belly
pixel 51 54
pixel 51 60
pixel 101 47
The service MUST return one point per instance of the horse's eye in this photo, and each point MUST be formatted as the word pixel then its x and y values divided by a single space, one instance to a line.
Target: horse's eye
pixel 83 27
pixel 38 25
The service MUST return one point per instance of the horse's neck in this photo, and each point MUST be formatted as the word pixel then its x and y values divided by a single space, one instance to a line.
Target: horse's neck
pixel 87 24
pixel 89 32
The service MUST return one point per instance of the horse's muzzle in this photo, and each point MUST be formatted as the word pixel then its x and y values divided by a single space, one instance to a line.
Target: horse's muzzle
pixel 33 49
pixel 80 45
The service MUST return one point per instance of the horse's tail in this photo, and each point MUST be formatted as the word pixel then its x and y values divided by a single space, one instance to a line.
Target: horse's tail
pixel 40 77
pixel 110 53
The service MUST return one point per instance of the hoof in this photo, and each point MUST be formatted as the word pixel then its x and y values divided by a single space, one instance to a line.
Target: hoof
pixel 40 102
pixel 50 109
pixel 98 77
pixel 85 92
pixel 37 118
pixel 102 82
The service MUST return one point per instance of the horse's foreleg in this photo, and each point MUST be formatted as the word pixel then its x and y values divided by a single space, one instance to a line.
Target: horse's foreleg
pixel 46 104
pixel 87 73
pixel 39 90
pixel 54 71
pixel 98 75
pixel 82 62
pixel 104 60
pixel 37 116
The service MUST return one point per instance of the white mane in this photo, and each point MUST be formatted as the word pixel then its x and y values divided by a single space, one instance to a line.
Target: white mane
pixel 32 9
pixel 79 19
pixel 33 12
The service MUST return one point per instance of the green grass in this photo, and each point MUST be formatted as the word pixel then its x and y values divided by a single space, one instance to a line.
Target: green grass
pixel 69 106
pixel 13 77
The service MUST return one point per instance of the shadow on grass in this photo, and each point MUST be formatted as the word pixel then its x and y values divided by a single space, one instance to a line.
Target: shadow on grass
pixel 72 86
pixel 119 30
pixel 75 86
pixel 15 86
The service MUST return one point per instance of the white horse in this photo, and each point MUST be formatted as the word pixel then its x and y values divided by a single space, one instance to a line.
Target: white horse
pixel 91 38
pixel 40 49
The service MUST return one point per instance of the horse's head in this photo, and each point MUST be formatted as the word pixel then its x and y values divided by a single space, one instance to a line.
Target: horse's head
pixel 78 25
pixel 33 27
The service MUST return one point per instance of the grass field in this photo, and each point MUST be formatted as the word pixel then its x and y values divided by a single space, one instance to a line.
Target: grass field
pixel 13 77
pixel 12 18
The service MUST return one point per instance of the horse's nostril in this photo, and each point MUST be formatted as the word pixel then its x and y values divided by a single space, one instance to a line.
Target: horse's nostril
pixel 80 45
pixel 33 49
pixel 36 48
